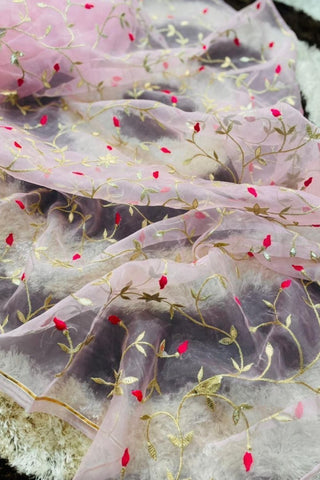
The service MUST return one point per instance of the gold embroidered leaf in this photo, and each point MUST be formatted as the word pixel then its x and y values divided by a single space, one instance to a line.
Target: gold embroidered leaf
pixel 200 375
pixel 210 403
pixel 129 380
pixel 85 301
pixel 145 417
pixel 157 387
pixel 140 337
pixel 64 347
pixel 257 152
pixel 288 320
pixel 236 416
pixel 235 364
pixel 283 417
pixel 187 439
pixel 269 350
pixel 175 440
pixel 226 341
pixel 247 367
pixel 21 316
pixel 100 381
pixel 246 406
pixel 141 349
pixel 209 386
pixel 152 451
pixel 169 475
pixel 233 332
pixel 269 304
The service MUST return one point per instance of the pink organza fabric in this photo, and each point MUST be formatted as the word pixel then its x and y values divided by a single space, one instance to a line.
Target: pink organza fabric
pixel 159 239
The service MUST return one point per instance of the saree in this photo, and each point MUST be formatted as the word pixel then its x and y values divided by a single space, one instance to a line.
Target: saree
pixel 159 245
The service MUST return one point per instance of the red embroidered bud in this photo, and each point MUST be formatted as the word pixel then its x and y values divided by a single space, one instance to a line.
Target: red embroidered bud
pixel 236 41
pixel 236 299
pixel 247 461
pixel 60 324
pixel 20 204
pixel 205 10
pixel 275 112
pixel 196 127
pixel 166 91
pixel 278 69
pixel 56 67
pixel 17 145
pixel 6 127
pixel 114 319
pixel 308 182
pixel 299 410
pixel 88 6
pixel 285 284
pixel 165 150
pixel 299 268
pixel 267 241
pixel 43 120
pixel 109 147
pixel 78 173
pixel 201 68
pixel 163 282
pixel 200 215
pixel 250 254
pixel 23 277
pixel 174 99
pixel 10 239
pixel 116 122
pixel 155 174
pixel 204 47
pixel 76 256
pixel 125 458
pixel 20 82
pixel 258 5
pixel 138 394
pixel 131 37
pixel 117 219
pixel 252 191
pixel 183 347
pixel 271 44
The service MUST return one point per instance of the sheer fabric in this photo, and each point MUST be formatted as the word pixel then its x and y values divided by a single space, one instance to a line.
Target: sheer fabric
pixel 160 236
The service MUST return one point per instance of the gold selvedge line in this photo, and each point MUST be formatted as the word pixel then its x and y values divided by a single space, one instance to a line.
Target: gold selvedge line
pixel 52 400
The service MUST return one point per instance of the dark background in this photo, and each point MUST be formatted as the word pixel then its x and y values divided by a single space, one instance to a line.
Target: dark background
pixel 306 29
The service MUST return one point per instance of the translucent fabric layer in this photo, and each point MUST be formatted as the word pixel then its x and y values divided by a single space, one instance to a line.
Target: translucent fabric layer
pixel 159 245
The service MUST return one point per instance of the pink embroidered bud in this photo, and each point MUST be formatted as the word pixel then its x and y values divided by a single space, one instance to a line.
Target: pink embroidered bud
pixel 10 239
pixel 20 82
pixel 236 41
pixel 204 47
pixel 285 284
pixel 109 147
pixel 23 277
pixel 155 174
pixel 131 37
pixel 252 191
pixel 56 67
pixel 60 324
pixel 247 461
pixel 138 394
pixel 299 410
pixel 196 127
pixel 20 204
pixel 88 6
pixel 278 69
pixel 116 122
pixel 17 145
pixel 76 256
pixel 236 299
pixel 267 241
pixel 271 44
pixel 205 10
pixel 275 112
pixel 165 65
pixel 174 99
pixel 165 150
pixel 200 215
pixel 308 182
pixel 114 319
pixel 299 268
pixel 117 218
pixel 183 347
pixel 43 120
pixel 78 173
pixel 125 458
pixel 163 282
